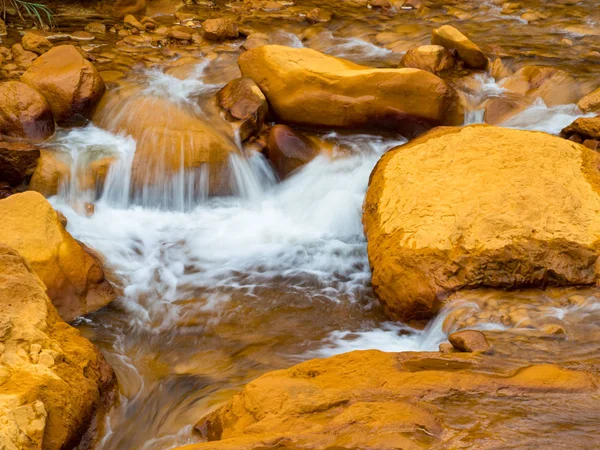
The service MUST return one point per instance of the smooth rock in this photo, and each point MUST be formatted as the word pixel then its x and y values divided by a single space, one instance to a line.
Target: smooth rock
pixel 50 172
pixel 450 38
pixel 512 209
pixel 69 82
pixel 306 87
pixel 73 277
pixel 318 15
pixel 500 109
pixel 432 58
pixel 469 341
pixel 24 112
pixel 96 28
pixel 36 43
pixel 289 150
pixel 220 29
pixel 55 384
pixel 17 161
pixel 243 101
pixel 591 102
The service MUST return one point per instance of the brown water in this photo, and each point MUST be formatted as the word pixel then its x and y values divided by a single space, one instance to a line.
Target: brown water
pixel 217 292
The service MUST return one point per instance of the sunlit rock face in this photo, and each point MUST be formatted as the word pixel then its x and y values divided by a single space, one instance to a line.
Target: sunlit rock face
pixel 53 383
pixel 480 206
pixel 307 87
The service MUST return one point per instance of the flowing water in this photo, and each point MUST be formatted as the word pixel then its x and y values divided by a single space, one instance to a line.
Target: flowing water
pixel 215 291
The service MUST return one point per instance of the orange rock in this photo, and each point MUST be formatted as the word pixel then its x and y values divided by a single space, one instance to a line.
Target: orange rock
pixel 17 161
pixel 451 38
pixel 583 128
pixel 591 102
pixel 24 112
pixel 70 84
pixel 244 102
pixel 44 364
pixel 318 15
pixel 370 399
pixel 220 29
pixel 554 86
pixel 499 109
pixel 74 278
pixel 306 87
pixel 36 43
pixel 289 150
pixel 432 58
pixel 51 171
pixel 469 341
pixel 512 208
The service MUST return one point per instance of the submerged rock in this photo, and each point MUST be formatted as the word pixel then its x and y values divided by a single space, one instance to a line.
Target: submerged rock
pixel 500 109
pixel 498 207
pixel 54 384
pixel 375 400
pixel 69 82
pixel 452 39
pixel 306 87
pixel 73 276
pixel 289 150
pixel 24 112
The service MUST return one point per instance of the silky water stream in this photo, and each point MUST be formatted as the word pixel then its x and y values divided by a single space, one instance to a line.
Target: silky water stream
pixel 215 291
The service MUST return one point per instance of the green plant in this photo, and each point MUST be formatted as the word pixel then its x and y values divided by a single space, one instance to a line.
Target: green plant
pixel 40 14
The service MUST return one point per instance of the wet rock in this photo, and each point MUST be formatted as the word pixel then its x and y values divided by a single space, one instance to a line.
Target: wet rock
pixel 375 400
pixel 591 102
pixel 432 58
pixel 243 101
pixel 70 84
pixel 555 330
pixel 384 4
pixel 23 58
pixel 24 112
pixel 582 129
pixel 96 28
pixel 553 86
pixel 318 15
pixel 17 161
pixel 593 144
pixel 43 363
pixel 73 277
pixel 499 109
pixel 123 8
pixel 484 185
pixel 168 143
pixel 220 29
pixel 82 36
pixel 446 347
pixel 36 43
pixel 306 87
pixel 469 341
pixel 51 171
pixel 498 70
pixel 131 22
pixel 452 39
pixel 181 33
pixel 289 150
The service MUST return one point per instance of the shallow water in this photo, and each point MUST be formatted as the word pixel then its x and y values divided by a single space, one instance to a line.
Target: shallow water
pixel 216 291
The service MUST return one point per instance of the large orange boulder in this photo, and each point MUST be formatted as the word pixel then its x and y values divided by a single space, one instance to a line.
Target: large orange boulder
pixel 69 82
pixel 306 87
pixel 461 208
pixel 73 276
pixel 175 141
pixel 375 400
pixel 24 112
pixel 54 384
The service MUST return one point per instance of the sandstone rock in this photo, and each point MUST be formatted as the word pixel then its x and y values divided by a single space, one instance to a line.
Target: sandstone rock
pixel 289 150
pixel 582 129
pixel 432 58
pixel 499 109
pixel 512 208
pixel 554 86
pixel 181 33
pixel 74 278
pixel 96 28
pixel 591 102
pixel 131 22
pixel 243 101
pixel 24 112
pixel 36 43
pixel 174 140
pixel 446 347
pixel 82 36
pixel 51 171
pixel 318 15
pixel 220 29
pixel 469 341
pixel 70 84
pixel 451 38
pixel 55 383
pixel 372 400
pixel 17 161
pixel 23 58
pixel 306 87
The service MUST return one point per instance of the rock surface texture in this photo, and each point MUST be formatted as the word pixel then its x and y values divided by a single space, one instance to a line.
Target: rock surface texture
pixel 499 208
pixel 24 112
pixel 371 400
pixel 306 87
pixel 55 386
pixel 70 83
pixel 74 277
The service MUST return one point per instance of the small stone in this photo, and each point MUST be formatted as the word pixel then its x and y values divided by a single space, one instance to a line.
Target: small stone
pixel 131 22
pixel 220 29
pixel 96 28
pixel 520 318
pixel 446 347
pixel 318 15
pixel 82 36
pixel 469 341
pixel 36 43
pixel 577 300
pixel 272 6
pixel 181 33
